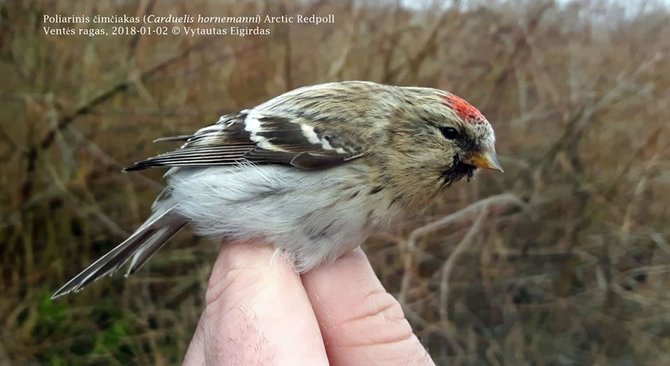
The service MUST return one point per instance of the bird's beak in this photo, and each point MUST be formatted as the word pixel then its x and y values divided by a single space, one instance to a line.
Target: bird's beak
pixel 485 159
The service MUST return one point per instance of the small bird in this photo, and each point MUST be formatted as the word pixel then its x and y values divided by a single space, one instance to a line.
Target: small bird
pixel 314 171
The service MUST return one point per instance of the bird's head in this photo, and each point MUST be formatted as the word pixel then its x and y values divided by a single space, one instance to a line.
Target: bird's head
pixel 440 138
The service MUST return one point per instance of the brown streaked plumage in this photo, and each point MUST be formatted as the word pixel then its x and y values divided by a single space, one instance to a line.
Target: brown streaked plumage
pixel 315 171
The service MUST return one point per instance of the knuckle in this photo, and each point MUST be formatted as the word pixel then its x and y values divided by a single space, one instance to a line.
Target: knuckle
pixel 381 313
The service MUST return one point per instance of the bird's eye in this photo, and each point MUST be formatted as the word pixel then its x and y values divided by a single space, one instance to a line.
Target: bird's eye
pixel 450 133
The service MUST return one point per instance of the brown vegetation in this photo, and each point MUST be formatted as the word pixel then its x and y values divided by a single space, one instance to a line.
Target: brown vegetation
pixel 566 263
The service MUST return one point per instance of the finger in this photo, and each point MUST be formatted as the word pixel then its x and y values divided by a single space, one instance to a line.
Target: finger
pixel 257 311
pixel 361 324
pixel 195 354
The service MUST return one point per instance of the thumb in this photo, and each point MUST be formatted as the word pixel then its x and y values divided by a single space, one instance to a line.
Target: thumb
pixel 257 312
pixel 360 322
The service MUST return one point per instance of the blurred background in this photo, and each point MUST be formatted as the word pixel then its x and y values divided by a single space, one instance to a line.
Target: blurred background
pixel 562 260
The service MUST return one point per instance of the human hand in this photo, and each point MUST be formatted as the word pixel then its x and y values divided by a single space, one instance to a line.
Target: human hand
pixel 259 311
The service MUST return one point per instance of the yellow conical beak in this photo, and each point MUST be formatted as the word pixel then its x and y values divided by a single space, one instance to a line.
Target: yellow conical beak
pixel 485 159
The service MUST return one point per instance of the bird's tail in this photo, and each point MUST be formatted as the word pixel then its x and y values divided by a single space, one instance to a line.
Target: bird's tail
pixel 163 224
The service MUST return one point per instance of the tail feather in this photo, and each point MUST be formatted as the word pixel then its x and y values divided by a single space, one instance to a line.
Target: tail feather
pixel 152 245
pixel 145 241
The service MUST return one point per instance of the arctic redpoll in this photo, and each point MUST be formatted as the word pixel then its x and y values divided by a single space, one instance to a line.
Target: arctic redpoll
pixel 314 171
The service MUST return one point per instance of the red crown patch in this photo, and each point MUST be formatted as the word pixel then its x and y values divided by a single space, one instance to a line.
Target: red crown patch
pixel 465 110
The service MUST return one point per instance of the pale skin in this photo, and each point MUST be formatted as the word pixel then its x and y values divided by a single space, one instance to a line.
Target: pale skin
pixel 260 312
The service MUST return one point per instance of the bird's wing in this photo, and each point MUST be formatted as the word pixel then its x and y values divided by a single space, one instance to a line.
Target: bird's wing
pixel 263 136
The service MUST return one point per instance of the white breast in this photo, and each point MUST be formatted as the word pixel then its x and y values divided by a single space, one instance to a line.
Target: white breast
pixel 313 216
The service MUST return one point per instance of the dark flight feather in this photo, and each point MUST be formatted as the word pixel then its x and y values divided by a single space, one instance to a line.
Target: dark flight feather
pixel 273 139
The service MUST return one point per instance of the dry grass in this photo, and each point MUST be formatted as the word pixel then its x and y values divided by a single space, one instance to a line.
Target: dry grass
pixel 567 265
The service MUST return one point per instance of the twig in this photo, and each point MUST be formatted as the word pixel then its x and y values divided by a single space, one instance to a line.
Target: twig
pixel 132 46
pixel 86 108
pixel 447 269
pixel 103 97
pixel 458 216
pixel 449 265
pixel 108 160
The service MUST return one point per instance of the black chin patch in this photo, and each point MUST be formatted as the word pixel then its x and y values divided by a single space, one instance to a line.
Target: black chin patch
pixel 458 172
